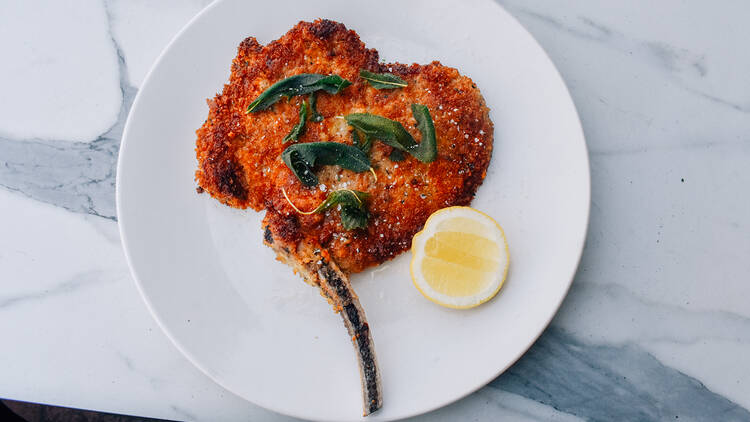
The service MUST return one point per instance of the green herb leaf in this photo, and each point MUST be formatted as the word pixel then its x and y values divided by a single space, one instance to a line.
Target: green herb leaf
pixel 388 131
pixel 359 143
pixel 298 129
pixel 301 84
pixel 397 155
pixel 426 151
pixel 382 80
pixel 353 218
pixel 350 197
pixel 315 116
pixel 392 133
pixel 354 213
pixel 352 204
pixel 302 158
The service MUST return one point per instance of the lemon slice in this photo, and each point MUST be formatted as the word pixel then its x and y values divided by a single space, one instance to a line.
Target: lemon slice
pixel 460 259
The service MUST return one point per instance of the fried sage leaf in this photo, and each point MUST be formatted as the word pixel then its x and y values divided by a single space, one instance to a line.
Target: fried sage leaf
pixel 363 144
pixel 426 151
pixel 354 217
pixel 392 133
pixel 301 84
pixel 396 155
pixel 298 129
pixel 314 115
pixel 352 203
pixel 388 131
pixel 382 80
pixel 354 213
pixel 303 158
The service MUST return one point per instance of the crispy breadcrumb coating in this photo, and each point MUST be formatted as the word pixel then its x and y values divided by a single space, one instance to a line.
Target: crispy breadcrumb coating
pixel 239 154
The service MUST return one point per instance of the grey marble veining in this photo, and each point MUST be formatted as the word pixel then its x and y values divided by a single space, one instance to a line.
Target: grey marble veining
pixel 576 378
pixel 675 60
pixel 683 64
pixel 77 176
pixel 80 281
pixel 649 320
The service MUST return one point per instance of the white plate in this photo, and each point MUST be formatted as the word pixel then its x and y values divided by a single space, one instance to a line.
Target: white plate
pixel 259 330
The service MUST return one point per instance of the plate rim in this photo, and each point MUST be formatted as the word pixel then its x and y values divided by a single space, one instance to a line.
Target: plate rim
pixel 581 241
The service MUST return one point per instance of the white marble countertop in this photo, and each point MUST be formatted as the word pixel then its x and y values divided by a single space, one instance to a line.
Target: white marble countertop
pixel 657 323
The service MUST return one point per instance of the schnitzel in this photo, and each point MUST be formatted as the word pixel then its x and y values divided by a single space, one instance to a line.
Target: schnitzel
pixel 240 146
pixel 239 153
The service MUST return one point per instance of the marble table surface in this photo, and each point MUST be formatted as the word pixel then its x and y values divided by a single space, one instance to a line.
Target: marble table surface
pixel 656 325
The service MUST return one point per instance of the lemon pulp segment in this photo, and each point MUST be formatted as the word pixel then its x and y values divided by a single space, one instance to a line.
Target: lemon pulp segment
pixel 460 258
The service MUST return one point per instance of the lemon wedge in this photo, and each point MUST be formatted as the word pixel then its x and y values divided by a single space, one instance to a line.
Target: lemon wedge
pixel 460 259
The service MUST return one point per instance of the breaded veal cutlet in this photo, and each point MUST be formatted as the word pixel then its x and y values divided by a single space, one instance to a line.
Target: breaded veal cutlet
pixel 240 164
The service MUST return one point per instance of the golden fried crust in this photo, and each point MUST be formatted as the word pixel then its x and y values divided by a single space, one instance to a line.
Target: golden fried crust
pixel 239 154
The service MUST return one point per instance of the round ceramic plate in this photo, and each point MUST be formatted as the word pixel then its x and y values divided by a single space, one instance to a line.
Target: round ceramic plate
pixel 256 328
